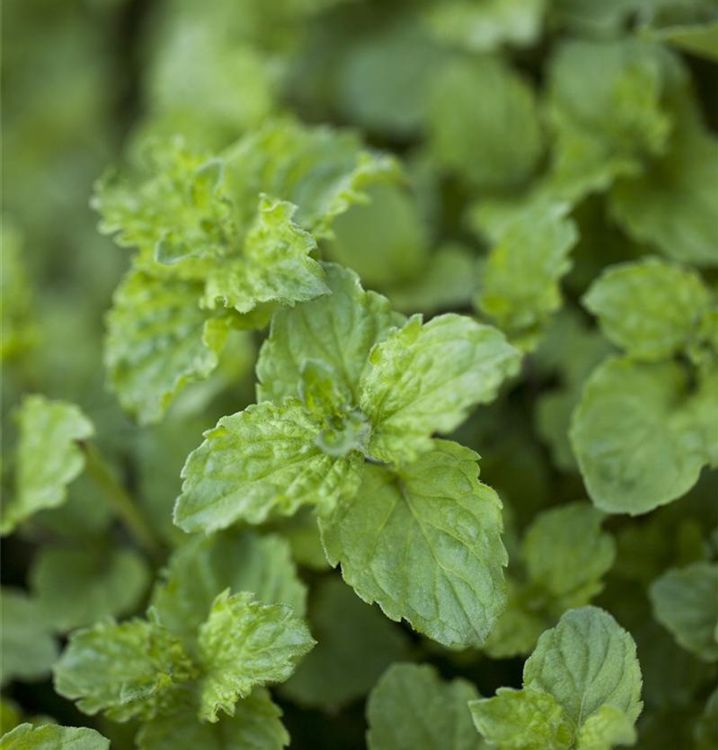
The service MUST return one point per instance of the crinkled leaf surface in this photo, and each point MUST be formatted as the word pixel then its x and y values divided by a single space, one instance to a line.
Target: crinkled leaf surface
pixel 204 567
pixel 48 457
pixel 412 707
pixel 243 644
pixel 158 340
pixel 131 670
pixel 338 329
pixel 260 462
pixel 685 602
pixel 425 378
pixel 53 737
pixel 425 544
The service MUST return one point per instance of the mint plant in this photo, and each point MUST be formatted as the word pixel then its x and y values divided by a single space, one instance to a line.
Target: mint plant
pixel 392 424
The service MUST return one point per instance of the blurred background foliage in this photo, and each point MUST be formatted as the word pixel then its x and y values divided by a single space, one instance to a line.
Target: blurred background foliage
pixel 464 92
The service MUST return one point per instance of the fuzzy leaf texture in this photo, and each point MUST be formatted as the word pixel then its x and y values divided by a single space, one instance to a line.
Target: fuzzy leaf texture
pixel 242 644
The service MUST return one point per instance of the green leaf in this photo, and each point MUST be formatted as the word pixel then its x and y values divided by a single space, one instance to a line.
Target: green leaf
pixel 567 554
pixel 605 729
pixel 581 689
pixel 640 436
pixel 448 280
pixel 651 308
pixel 245 643
pixel 386 240
pixel 260 462
pixel 16 296
pixel 425 378
pixel 48 457
pixel 275 267
pixel 522 720
pixel 158 340
pixel 685 602
pixel 256 725
pixel 700 39
pixel 356 643
pixel 53 737
pixel 131 670
pixel 338 329
pixel 608 111
pixel 26 643
pixel 484 123
pixel 412 707
pixel 321 170
pixel 520 279
pixel 203 567
pixel 425 544
pixel 672 206
pixel 489 25
pixel 79 586
pixel 587 662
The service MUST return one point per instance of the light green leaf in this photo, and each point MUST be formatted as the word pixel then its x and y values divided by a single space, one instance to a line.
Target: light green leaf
pixel 338 329
pixel 685 602
pixel 700 39
pixel 26 643
pixel 425 544
pixel 356 643
pixel 487 25
pixel 275 267
pixel 321 170
pixel 522 720
pixel 131 670
pixel 203 567
pixel 448 280
pixel 260 462
pixel 411 707
pixel 566 554
pixel 16 296
pixel 425 378
pixel 607 109
pixel 386 240
pixel 519 286
pixel 484 123
pixel 158 340
pixel 608 727
pixel 651 308
pixel 79 586
pixel 53 737
pixel 256 725
pixel 245 643
pixel 673 205
pixel 587 662
pixel 640 437
pixel 48 457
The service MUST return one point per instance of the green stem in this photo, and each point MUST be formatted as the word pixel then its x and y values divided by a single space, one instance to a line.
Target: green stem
pixel 122 502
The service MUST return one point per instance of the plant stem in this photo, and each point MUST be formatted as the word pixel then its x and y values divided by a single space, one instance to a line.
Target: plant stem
pixel 122 502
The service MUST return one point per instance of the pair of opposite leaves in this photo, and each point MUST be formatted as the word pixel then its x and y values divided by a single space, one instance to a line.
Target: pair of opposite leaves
pixel 350 394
